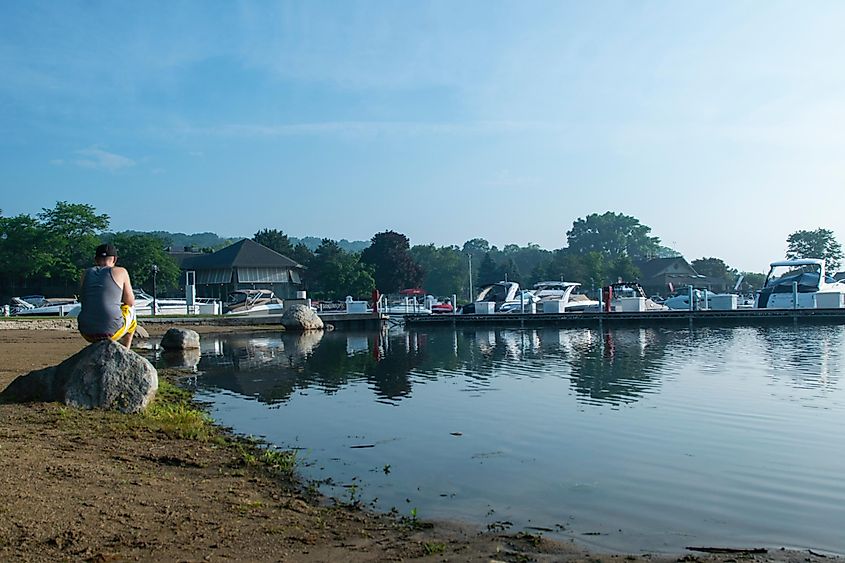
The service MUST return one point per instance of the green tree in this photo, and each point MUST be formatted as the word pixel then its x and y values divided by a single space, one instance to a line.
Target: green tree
pixel 510 271
pixel 612 234
pixel 752 281
pixel 717 269
pixel 72 231
pixel 476 247
pixel 620 268
pixel 274 240
pixel 389 254
pixel 335 273
pixel 527 259
pixel 138 254
pixel 592 269
pixel 488 271
pixel 819 243
pixel 445 269
pixel 25 252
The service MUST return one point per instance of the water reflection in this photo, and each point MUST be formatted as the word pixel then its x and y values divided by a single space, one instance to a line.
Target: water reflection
pixel 601 430
pixel 618 366
pixel 603 367
pixel 803 359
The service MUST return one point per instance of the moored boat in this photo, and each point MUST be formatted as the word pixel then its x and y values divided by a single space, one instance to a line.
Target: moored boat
pixel 796 284
pixel 253 302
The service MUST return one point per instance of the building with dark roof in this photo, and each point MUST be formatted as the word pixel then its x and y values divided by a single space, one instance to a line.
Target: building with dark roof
pixel 667 275
pixel 245 265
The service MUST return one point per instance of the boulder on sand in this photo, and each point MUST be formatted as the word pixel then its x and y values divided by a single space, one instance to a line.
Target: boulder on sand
pixel 104 375
pixel 180 339
pixel 301 317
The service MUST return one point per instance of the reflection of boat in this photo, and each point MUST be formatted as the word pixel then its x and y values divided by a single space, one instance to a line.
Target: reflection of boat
pixel 795 283
pixel 40 306
pixel 253 302
pixel 563 292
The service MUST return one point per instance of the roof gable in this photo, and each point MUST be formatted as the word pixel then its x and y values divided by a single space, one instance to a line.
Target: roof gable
pixel 660 266
pixel 245 253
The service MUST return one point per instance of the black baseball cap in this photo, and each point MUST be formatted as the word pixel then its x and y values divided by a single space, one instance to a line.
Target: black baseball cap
pixel 106 250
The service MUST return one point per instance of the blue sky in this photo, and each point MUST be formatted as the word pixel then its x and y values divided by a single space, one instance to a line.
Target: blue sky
pixel 719 124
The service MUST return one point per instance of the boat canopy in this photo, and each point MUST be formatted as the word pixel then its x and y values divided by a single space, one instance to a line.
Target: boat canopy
pixel 798 262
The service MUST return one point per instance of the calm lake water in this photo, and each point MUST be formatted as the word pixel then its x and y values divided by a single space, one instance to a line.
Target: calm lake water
pixel 626 439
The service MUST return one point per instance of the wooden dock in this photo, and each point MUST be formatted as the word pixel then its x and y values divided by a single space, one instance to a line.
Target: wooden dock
pixel 748 317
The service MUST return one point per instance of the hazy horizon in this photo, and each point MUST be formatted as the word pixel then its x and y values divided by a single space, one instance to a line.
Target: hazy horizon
pixel 718 124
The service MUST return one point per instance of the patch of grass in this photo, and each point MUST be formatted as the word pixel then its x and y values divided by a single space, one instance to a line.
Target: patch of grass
pixel 278 461
pixel 433 548
pixel 173 413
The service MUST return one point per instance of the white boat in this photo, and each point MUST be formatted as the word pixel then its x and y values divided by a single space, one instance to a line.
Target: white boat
pixel 627 297
pixel 253 302
pixel 523 302
pixel 681 301
pixel 501 294
pixel 794 284
pixel 144 304
pixel 40 306
pixel 409 307
pixel 553 292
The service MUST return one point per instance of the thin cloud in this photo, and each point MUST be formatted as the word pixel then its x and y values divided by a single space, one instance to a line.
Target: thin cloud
pixel 98 159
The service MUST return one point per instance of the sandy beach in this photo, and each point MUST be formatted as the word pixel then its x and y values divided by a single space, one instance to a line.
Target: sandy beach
pixel 96 486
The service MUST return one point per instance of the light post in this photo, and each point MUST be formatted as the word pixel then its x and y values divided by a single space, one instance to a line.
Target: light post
pixel 155 289
pixel 471 296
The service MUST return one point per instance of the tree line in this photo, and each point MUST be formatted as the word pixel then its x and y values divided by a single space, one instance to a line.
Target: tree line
pixel 46 253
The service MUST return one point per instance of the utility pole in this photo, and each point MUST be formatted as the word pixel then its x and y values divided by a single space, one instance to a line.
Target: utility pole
pixel 155 289
pixel 471 296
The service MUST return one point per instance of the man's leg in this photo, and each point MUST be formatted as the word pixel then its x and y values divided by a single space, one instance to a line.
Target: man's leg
pixel 127 331
pixel 127 339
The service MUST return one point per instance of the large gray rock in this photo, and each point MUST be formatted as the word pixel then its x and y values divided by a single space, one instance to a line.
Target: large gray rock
pixel 180 339
pixel 301 317
pixel 104 375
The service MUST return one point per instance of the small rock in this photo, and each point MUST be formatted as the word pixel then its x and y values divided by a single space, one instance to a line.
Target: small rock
pixel 180 339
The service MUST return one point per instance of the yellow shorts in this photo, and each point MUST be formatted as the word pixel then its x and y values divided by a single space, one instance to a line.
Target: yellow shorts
pixel 130 323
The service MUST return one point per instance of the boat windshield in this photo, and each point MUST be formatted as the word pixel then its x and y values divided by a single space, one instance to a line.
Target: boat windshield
pixel 236 298
pixel 494 293
pixel 806 276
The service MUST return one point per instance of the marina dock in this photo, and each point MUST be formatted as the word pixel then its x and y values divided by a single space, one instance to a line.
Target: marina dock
pixel 738 317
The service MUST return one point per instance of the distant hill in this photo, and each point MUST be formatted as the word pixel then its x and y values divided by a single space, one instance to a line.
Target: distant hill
pixel 216 242
pixel 181 240
pixel 349 246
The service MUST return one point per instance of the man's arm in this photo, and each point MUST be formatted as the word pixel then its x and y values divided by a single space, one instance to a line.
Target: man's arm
pixel 128 295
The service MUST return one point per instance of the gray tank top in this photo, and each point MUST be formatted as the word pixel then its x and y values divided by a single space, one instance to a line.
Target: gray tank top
pixel 101 301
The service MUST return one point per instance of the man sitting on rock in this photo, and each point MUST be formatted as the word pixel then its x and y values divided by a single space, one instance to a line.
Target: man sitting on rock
pixel 108 303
